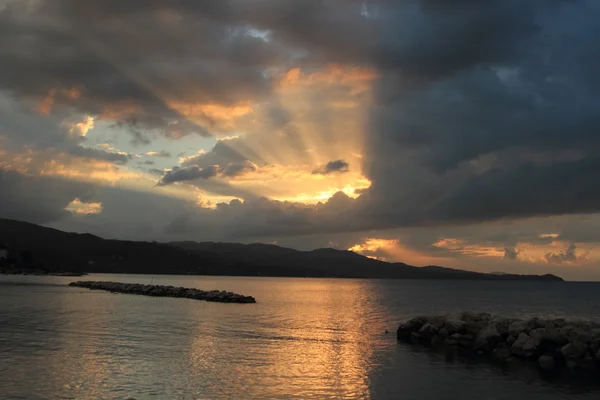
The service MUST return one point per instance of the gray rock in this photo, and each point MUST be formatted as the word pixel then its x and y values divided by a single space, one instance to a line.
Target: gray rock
pixel 502 324
pixel 413 325
pixel 518 327
pixel 488 338
pixel 444 332
pixel 428 330
pixel 455 326
pixel 530 347
pixel 521 340
pixel 510 340
pixel 575 333
pixel 547 362
pixel 574 350
pixel 474 327
pixel 549 335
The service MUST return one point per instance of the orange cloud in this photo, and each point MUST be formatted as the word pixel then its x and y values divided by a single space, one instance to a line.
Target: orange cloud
pixel 476 250
pixel 392 250
pixel 80 129
pixel 77 207
pixel 47 103
pixel 359 77
pixel 120 110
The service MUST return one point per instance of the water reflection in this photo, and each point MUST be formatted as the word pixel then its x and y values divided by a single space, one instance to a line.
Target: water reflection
pixel 305 338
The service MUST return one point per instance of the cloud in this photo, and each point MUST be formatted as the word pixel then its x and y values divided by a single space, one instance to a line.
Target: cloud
pixel 160 154
pixel 333 167
pixel 445 117
pixel 510 253
pixel 568 256
pixel 38 199
pixel 233 170
pixel 194 172
pixel 77 207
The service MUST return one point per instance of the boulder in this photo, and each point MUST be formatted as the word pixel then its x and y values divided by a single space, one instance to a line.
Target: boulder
pixel 502 324
pixel 575 333
pixel 455 325
pixel 474 327
pixel 488 338
pixel 510 340
pixel 551 336
pixel 518 327
pixel 413 325
pixel 530 348
pixel 428 331
pixel 574 350
pixel 517 346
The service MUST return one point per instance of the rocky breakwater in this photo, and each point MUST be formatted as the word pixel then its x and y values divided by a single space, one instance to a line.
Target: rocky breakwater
pixel 165 291
pixel 551 343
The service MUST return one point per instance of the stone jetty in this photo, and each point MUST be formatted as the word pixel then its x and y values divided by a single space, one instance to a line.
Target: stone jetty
pixel 551 343
pixel 165 291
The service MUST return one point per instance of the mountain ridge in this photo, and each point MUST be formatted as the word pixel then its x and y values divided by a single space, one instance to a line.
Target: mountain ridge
pixel 58 251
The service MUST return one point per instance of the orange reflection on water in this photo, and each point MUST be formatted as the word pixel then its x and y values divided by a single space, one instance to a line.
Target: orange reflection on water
pixel 310 348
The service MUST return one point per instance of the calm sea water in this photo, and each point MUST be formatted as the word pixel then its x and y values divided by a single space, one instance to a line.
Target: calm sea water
pixel 305 338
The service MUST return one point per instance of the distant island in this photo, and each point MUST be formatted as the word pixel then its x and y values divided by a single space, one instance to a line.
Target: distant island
pixel 57 252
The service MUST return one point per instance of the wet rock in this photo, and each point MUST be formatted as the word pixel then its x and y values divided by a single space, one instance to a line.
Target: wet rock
pixel 575 333
pixel 164 291
pixel 549 343
pixel 530 348
pixel 517 346
pixel 455 326
pixel 574 350
pixel 428 331
pixel 405 330
pixel 488 337
pixel 510 340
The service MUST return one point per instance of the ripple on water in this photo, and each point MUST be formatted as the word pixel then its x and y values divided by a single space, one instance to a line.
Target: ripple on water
pixel 306 338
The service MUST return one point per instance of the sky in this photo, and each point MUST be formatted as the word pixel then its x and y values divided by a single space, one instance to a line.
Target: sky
pixel 463 134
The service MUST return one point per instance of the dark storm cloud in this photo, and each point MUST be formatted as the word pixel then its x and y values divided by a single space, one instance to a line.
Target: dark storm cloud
pixel 484 110
pixel 507 137
pixel 38 199
pixel 140 56
pixel 233 170
pixel 333 167
pixel 192 173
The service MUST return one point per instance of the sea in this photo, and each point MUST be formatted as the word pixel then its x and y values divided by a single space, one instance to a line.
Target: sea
pixel 304 339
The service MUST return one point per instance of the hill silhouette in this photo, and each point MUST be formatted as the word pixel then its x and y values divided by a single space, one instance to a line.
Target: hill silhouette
pixel 57 251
